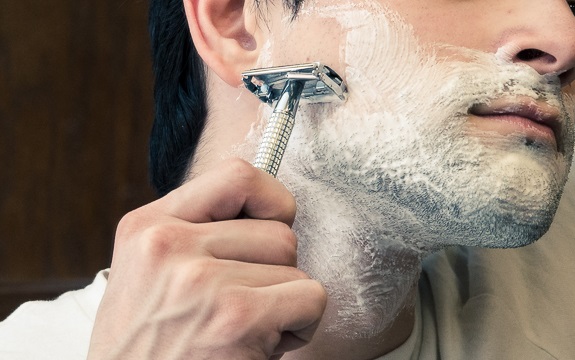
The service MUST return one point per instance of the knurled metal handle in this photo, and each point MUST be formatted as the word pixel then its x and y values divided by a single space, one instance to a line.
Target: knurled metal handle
pixel 278 129
pixel 274 142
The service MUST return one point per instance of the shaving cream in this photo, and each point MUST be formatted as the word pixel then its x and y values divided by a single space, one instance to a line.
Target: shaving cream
pixel 399 171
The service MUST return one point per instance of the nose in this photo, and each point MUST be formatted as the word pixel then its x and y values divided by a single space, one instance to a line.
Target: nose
pixel 545 38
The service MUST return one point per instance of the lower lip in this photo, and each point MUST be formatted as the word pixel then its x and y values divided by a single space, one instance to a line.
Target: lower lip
pixel 513 124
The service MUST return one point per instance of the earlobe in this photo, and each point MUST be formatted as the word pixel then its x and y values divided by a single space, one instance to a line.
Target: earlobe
pixel 224 34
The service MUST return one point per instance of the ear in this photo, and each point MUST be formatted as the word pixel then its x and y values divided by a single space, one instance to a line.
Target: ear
pixel 225 34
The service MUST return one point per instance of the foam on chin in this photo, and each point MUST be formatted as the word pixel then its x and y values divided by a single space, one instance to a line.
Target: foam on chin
pixel 397 171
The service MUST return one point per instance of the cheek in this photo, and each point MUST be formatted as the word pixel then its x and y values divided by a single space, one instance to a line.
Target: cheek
pixel 307 40
pixel 459 23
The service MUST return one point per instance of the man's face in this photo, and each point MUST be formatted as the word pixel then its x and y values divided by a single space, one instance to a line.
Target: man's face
pixel 456 127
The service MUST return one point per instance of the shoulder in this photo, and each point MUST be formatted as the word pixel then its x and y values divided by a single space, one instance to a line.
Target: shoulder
pixel 58 329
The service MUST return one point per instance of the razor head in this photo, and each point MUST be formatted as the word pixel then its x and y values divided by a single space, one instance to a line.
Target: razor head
pixel 321 83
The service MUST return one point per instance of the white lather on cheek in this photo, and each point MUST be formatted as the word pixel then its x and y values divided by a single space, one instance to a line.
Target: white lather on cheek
pixel 265 59
pixel 368 282
pixel 394 172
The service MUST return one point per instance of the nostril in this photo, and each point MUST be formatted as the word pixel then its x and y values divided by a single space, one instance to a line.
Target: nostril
pixel 530 54
pixel 534 54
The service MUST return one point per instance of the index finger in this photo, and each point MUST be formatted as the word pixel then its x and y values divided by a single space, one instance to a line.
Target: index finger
pixel 232 188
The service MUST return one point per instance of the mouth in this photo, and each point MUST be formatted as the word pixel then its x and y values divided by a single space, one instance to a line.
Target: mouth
pixel 536 120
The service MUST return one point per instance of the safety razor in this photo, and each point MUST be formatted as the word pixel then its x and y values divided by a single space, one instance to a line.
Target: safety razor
pixel 285 86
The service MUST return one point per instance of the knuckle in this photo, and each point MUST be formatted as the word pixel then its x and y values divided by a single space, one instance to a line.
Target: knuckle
pixel 318 292
pixel 245 176
pixel 242 177
pixel 129 224
pixel 289 207
pixel 156 241
pixel 242 170
pixel 197 277
pixel 159 240
pixel 288 239
pixel 200 273
pixel 298 274
pixel 291 273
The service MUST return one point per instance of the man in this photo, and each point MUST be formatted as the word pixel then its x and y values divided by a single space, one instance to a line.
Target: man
pixel 458 130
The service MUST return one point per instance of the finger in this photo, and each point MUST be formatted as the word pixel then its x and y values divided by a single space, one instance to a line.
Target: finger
pixel 233 279
pixel 249 240
pixel 259 275
pixel 224 193
pixel 298 309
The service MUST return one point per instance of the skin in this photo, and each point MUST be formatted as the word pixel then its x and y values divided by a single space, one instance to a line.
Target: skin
pixel 209 271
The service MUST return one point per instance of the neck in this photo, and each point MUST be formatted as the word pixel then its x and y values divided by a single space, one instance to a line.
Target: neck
pixel 370 276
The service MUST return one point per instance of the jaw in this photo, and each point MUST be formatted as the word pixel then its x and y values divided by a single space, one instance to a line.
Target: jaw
pixel 368 273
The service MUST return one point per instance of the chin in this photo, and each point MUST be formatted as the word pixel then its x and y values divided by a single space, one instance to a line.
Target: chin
pixel 515 221
pixel 508 202
pixel 502 231
pixel 489 225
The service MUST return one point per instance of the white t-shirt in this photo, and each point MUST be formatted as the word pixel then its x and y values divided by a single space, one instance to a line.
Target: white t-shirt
pixel 499 304
pixel 56 330
pixel 472 304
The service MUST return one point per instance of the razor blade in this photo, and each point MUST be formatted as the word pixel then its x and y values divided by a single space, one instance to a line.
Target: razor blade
pixel 321 83
pixel 286 85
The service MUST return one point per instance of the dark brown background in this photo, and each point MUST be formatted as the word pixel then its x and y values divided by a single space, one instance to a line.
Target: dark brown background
pixel 75 113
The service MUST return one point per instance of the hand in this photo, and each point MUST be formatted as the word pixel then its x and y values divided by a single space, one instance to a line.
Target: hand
pixel 208 272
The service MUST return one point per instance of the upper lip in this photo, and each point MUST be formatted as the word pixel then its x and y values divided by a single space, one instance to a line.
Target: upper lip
pixel 526 107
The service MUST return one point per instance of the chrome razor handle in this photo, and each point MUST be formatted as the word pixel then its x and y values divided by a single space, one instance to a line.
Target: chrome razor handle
pixel 279 128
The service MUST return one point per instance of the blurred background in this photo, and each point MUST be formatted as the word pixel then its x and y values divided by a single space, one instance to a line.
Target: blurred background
pixel 75 114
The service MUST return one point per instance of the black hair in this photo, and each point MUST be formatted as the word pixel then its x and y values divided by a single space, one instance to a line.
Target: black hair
pixel 179 92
